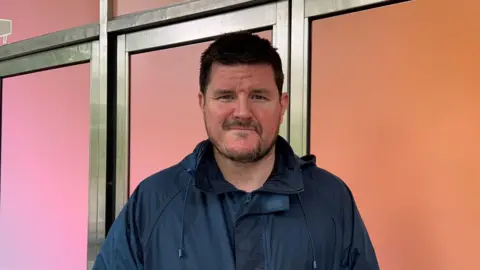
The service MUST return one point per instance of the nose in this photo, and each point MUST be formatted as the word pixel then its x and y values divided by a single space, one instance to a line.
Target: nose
pixel 242 107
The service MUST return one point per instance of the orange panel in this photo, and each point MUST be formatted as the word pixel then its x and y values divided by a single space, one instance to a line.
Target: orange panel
pixel 396 113
pixel 166 120
pixel 31 18
pixel 122 7
pixel 44 170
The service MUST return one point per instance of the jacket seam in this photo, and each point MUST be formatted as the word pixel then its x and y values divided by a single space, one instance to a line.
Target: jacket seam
pixel 159 214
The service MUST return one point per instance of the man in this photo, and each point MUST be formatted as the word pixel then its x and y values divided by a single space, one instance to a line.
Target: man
pixel 241 200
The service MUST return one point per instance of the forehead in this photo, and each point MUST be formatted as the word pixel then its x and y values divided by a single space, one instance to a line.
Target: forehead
pixel 242 76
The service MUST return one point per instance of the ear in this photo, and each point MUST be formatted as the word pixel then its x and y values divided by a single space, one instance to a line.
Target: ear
pixel 284 102
pixel 201 101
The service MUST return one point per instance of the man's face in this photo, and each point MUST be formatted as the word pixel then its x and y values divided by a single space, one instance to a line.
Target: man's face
pixel 243 110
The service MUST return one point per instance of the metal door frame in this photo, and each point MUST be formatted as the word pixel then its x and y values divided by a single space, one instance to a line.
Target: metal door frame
pixel 68 56
pixel 273 16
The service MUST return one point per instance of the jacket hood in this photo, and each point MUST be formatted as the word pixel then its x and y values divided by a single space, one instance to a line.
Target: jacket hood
pixel 286 177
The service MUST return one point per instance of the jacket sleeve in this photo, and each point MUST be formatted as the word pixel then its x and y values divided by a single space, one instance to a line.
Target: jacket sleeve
pixel 358 250
pixel 122 248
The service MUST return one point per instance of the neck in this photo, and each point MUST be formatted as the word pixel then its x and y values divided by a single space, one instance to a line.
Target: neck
pixel 246 176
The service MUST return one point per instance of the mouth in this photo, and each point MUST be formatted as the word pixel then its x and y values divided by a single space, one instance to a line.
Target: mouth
pixel 242 128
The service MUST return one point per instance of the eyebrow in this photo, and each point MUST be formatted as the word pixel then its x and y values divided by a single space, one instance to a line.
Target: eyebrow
pixel 226 91
pixel 260 91
pixel 218 92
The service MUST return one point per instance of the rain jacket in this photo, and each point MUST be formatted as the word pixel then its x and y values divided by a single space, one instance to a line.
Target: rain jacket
pixel 188 217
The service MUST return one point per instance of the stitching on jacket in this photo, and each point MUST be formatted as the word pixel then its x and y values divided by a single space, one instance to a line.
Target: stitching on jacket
pixel 160 212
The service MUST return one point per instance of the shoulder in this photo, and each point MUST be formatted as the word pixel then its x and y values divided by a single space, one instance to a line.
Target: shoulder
pixel 317 179
pixel 322 180
pixel 324 187
pixel 174 178
pixel 165 178
pixel 156 191
pixel 150 198
pixel 162 185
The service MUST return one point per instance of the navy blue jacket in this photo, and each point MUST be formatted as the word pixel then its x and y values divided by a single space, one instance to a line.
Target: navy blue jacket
pixel 188 217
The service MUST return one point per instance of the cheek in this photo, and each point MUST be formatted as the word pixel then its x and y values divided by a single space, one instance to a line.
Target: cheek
pixel 268 119
pixel 215 119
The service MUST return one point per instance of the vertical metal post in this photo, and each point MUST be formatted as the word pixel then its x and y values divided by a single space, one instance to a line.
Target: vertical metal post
pixel 298 79
pixel 95 214
pixel 98 136
pixel 122 126
pixel 281 40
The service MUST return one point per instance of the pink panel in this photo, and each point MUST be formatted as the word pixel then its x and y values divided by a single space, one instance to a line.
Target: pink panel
pixel 44 170
pixel 122 7
pixel 31 18
pixel 166 120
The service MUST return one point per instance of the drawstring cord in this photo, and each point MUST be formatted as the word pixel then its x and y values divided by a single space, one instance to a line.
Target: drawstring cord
pixel 314 264
pixel 180 250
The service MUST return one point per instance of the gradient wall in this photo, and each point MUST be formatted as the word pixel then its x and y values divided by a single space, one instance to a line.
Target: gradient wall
pixel 44 170
pixel 162 131
pixel 32 18
pixel 45 147
pixel 395 110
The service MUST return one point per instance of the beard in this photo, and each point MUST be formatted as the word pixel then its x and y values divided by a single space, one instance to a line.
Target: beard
pixel 252 156
pixel 260 151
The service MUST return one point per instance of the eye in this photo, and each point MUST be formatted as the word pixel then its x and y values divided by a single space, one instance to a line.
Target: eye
pixel 226 98
pixel 259 97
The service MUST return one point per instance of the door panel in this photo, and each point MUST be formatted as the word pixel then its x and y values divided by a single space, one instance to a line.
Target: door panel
pixel 395 112
pixel 158 116
pixel 45 169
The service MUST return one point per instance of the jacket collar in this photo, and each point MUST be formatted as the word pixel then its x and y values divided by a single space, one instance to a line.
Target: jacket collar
pixel 286 177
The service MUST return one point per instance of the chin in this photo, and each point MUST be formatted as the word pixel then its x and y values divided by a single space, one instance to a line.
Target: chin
pixel 241 145
pixel 241 154
pixel 240 148
pixel 242 140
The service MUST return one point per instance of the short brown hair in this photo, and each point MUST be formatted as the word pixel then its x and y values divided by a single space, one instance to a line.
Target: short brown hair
pixel 240 48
